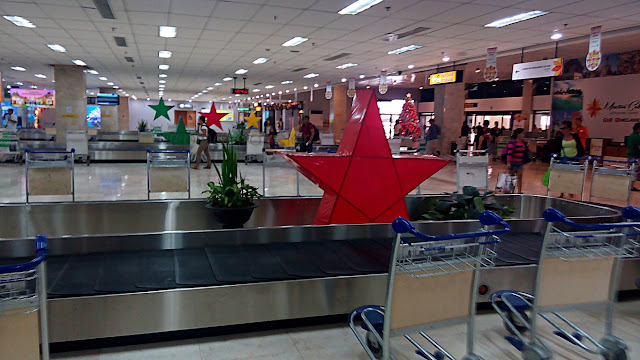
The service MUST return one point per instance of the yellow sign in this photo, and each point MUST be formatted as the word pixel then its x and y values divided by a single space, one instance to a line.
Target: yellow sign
pixel 443 78
pixel 69 115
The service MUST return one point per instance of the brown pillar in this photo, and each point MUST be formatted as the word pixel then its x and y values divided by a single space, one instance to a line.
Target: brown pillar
pixel 123 114
pixel 527 103
pixel 449 113
pixel 338 115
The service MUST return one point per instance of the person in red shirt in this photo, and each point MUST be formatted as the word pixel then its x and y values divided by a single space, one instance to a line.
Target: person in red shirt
pixel 308 132
pixel 582 131
pixel 515 156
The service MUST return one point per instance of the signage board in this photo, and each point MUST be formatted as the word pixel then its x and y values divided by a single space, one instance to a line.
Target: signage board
pixel 448 77
pixel 32 98
pixel 470 105
pixel 235 91
pixel 108 99
pixel 537 69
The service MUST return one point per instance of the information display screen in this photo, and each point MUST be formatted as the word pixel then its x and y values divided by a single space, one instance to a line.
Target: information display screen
pixel 108 99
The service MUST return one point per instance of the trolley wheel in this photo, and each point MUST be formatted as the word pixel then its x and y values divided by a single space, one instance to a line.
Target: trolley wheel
pixel 513 319
pixel 535 352
pixel 614 348
pixel 374 345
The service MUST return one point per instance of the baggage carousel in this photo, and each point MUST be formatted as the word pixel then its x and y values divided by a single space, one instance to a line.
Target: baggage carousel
pixel 130 268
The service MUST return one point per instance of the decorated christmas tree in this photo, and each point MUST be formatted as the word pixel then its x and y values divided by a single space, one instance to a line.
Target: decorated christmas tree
pixel 409 123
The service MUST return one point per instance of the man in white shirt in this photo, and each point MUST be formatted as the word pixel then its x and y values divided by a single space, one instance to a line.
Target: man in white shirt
pixel 11 119
pixel 203 143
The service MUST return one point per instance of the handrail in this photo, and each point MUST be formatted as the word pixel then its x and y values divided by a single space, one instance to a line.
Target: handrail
pixel 27 150
pixel 403 226
pixel 186 151
pixel 41 254
pixel 554 215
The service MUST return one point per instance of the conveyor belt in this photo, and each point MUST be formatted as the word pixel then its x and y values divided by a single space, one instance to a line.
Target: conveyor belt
pixel 125 272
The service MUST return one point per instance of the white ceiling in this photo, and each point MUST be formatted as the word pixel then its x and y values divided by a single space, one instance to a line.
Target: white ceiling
pixel 215 38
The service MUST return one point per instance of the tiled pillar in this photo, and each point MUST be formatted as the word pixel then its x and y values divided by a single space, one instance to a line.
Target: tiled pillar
pixel 71 100
pixel 338 115
pixel 109 113
pixel 449 114
pixel 527 103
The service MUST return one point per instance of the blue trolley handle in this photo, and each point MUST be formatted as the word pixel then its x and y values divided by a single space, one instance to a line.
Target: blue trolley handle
pixel 403 226
pixel 554 215
pixel 168 151
pixel 41 254
pixel 27 150
pixel 616 161
pixel 570 158
pixel 631 213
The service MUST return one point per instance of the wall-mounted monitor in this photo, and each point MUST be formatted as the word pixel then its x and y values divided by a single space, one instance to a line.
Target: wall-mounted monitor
pixel 108 99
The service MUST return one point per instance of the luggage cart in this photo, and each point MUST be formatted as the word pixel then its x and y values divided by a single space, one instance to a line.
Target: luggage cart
pixel 10 146
pixel 612 179
pixel 472 169
pixel 49 173
pixel 421 263
pixel 255 148
pixel 568 175
pixel 79 140
pixel 166 171
pixel 575 268
pixel 23 298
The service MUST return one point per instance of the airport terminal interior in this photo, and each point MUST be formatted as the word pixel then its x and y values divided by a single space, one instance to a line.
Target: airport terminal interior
pixel 319 179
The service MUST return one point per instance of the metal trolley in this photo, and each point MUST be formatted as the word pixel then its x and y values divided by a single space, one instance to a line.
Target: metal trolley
pixel 472 169
pixel 23 297
pixel 10 146
pixel 49 173
pixel 576 268
pixel 168 171
pixel 568 175
pixel 612 179
pixel 420 264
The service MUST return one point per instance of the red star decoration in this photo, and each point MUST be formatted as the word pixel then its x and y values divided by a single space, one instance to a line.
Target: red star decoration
pixel 213 116
pixel 362 182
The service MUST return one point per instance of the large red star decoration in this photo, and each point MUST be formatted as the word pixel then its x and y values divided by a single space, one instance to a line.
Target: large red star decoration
pixel 213 116
pixel 362 182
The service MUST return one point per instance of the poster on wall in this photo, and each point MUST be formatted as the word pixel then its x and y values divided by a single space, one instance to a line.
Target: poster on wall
pixel 594 56
pixel 609 106
pixel 490 72
pixel 32 98
pixel 94 116
pixel 615 64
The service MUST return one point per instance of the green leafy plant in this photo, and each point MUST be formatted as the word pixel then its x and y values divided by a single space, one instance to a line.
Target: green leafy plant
pixel 142 126
pixel 238 137
pixel 467 205
pixel 232 190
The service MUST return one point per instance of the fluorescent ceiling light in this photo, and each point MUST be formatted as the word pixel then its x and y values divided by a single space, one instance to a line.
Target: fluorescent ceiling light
pixel 33 87
pixel 358 7
pixel 312 75
pixel 217 84
pixel 280 92
pixel 56 47
pixel 19 83
pixel 362 76
pixel 165 54
pixel 205 91
pixel 404 49
pixel 411 66
pixel 92 72
pixel 163 75
pixel 343 80
pixel 18 68
pixel 516 18
pixel 344 66
pixel 110 83
pixel 227 79
pixel 162 81
pixel 241 71
pixel 315 85
pixel 256 90
pixel 116 87
pixel 305 87
pixel 269 87
pixel 295 41
pixel 103 78
pixel 148 99
pixel 167 31
pixel 446 58
pixel 163 67
pixel 134 97
pixel 79 62
pixel 286 82
pixel 20 21
pixel 210 88
pixel 556 35
pixel 260 60
pixel 41 76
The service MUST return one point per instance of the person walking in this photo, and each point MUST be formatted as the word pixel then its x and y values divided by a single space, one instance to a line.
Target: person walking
pixel 432 138
pixel 203 143
pixel 633 151
pixel 582 131
pixel 463 140
pixel 516 150
pixel 495 132
pixel 308 132
pixel 568 144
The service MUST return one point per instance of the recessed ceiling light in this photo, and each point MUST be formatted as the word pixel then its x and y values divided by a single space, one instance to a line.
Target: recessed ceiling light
pixel 116 87
pixel 18 68
pixel 210 88
pixel 295 89
pixel 556 35
pixel 163 75
pixel 161 86
pixel 167 31
pixel 33 87
pixel 446 58
pixel 421 87
pixel 516 18
pixel 260 60
pixel 358 6
pixel 56 47
pixel 312 75
pixel 404 49
pixel 477 70
pixel 295 41
pixel 271 94
pixel 19 83
pixel 362 76
pixel 411 66
pixel 305 87
pixel 315 85
pixel 256 90
pixel 163 67
pixel 241 71
pixel 280 92
pixel 368 86
pixel 92 72
pixel 169 99
pixel 286 82
pixel 287 91
pixel 134 97
pixel 217 84
pixel 41 76
pixel 227 79
pixel 109 83
pixel 20 21
pixel 79 62
pixel 343 80
pixel 205 91
pixel 162 81
pixel 148 99
pixel 165 54
pixel 344 66
pixel 103 78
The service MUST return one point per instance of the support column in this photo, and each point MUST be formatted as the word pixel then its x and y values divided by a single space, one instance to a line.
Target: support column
pixel 123 114
pixel 71 100
pixel 527 104
pixel 338 113
pixel 449 114
pixel 109 113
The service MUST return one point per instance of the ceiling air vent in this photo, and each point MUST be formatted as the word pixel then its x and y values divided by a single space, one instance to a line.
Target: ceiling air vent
pixel 104 9
pixel 298 69
pixel 336 57
pixel 128 58
pixel 120 41
pixel 397 36
pixel 256 84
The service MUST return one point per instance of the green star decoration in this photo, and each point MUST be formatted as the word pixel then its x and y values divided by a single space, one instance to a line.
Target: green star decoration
pixel 180 137
pixel 161 109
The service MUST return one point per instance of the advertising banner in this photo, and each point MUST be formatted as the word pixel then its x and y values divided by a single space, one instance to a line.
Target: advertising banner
pixel 383 87
pixel 609 106
pixel 33 98
pixel 490 72
pixel 537 69
pixel 351 91
pixel 594 57
pixel 328 93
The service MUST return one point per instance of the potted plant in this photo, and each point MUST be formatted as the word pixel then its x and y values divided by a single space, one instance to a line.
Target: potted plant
pixel 142 126
pixel 467 205
pixel 232 198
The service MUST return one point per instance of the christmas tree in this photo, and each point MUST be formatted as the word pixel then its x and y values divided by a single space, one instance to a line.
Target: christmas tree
pixel 409 123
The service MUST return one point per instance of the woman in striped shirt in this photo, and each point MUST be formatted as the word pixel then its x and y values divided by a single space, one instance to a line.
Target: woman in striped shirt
pixel 515 156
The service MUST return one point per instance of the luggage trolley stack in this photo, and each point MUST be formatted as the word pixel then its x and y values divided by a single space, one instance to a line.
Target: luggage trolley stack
pixel 612 179
pixel 23 297
pixel 49 173
pixel 568 175
pixel 421 263
pixel 10 146
pixel 168 171
pixel 472 169
pixel 579 266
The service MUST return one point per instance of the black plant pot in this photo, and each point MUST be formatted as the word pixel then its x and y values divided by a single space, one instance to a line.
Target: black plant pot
pixel 232 218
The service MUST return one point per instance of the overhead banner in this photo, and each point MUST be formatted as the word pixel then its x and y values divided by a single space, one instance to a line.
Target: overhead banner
pixel 33 98
pixel 594 57
pixel 491 68
pixel 328 93
pixel 608 106
pixel 537 69
pixel 383 87
pixel 518 121
pixel 448 77
pixel 351 91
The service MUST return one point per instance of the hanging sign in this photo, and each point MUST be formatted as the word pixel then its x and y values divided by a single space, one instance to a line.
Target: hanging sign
pixel 311 94
pixel 518 121
pixel 383 87
pixel 594 57
pixel 295 93
pixel 328 93
pixel 537 69
pixel 491 68
pixel 351 91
